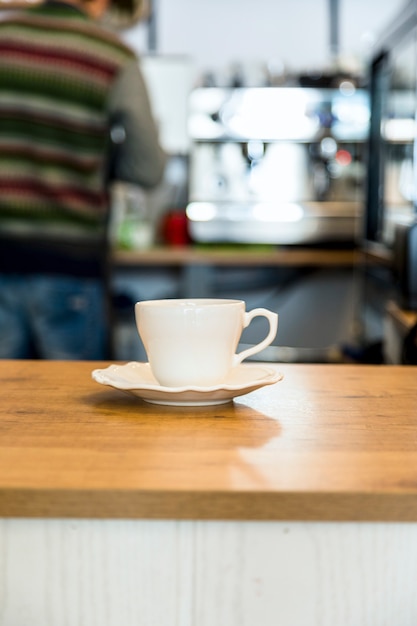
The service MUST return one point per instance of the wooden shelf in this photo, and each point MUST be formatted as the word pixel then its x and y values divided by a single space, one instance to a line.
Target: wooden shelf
pixel 377 254
pixel 189 255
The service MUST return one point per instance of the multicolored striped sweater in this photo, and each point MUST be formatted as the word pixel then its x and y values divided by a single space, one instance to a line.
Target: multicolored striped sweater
pixel 56 70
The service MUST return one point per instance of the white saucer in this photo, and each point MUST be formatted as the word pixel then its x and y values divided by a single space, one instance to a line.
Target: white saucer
pixel 136 378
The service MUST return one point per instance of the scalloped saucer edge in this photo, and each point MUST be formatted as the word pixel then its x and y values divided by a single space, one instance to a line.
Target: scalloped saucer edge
pixel 137 379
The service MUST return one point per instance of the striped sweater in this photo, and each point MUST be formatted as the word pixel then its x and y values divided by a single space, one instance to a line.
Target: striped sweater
pixel 56 70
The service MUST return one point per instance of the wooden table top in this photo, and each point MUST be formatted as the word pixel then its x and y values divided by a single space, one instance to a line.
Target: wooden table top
pixel 328 442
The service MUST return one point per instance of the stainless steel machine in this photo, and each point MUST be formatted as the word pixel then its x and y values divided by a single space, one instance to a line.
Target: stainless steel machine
pixel 277 165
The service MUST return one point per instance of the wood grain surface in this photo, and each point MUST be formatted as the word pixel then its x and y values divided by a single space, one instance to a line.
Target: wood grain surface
pixel 91 572
pixel 329 442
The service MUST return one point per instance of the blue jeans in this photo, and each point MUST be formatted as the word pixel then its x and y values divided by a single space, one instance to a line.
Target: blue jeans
pixel 52 317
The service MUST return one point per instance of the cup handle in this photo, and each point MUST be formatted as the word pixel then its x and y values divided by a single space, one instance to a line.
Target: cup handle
pixel 273 327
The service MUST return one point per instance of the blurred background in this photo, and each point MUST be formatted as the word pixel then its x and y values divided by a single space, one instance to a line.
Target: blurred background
pixel 266 110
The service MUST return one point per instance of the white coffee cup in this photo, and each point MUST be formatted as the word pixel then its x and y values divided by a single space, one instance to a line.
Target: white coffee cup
pixel 193 341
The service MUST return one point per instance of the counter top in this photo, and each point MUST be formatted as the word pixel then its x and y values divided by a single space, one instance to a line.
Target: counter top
pixel 194 255
pixel 328 442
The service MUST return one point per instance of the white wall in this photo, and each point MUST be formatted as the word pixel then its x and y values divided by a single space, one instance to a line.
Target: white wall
pixel 217 33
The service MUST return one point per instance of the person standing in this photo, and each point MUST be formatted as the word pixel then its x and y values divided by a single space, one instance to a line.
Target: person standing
pixel 74 114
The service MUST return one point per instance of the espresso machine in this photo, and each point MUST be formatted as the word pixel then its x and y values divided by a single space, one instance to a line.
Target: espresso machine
pixel 277 165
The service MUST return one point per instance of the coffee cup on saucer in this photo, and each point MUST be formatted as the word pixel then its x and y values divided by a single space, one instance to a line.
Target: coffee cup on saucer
pixel 193 341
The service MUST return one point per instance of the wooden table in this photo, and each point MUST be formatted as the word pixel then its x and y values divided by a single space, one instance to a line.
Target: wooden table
pixel 294 505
